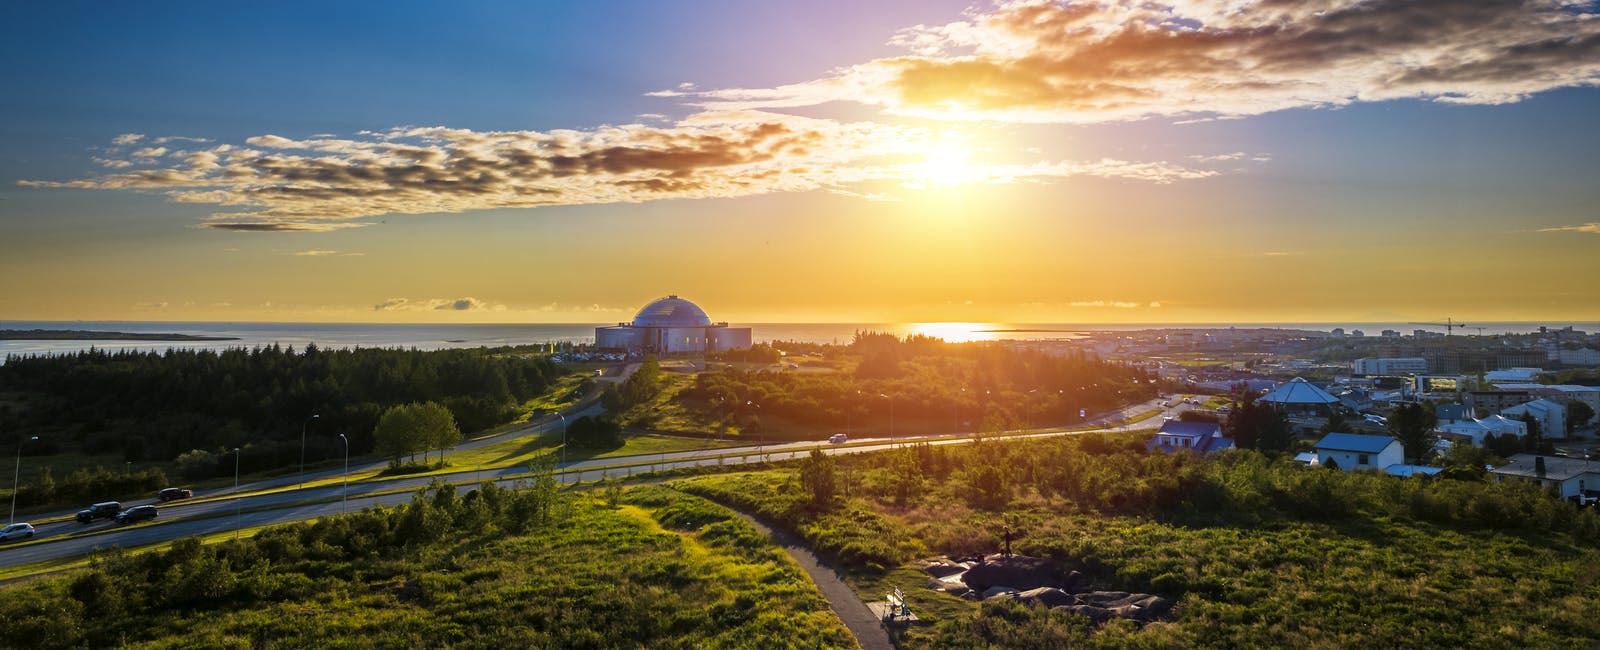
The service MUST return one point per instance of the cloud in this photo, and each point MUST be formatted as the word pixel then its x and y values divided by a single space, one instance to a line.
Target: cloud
pixel 127 139
pixel 1591 227
pixel 277 184
pixel 1042 61
pixel 1119 304
pixel 461 304
pixel 438 304
pixel 278 226
pixel 315 253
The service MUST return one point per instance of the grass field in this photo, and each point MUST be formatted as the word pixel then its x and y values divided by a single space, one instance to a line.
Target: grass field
pixel 646 567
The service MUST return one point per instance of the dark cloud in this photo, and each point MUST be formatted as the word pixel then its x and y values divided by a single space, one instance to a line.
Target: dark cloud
pixel 1096 61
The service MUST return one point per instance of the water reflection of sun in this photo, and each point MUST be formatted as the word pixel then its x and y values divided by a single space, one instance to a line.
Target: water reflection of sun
pixel 955 332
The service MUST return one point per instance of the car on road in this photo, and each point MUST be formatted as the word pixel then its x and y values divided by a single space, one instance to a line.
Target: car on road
pixel 16 531
pixel 837 439
pixel 170 494
pixel 136 514
pixel 102 510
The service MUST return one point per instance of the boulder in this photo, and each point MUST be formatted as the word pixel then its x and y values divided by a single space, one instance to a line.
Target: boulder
pixel 997 590
pixel 1047 597
pixel 942 570
pixel 958 592
pixel 1075 582
pixel 1018 571
pixel 1155 605
pixel 972 594
pixel 1103 598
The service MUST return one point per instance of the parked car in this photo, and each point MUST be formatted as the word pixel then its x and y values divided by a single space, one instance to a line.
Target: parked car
pixel 16 531
pixel 103 510
pixel 837 439
pixel 136 514
pixel 169 494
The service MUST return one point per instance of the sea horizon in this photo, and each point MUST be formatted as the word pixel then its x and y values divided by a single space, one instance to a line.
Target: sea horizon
pixel 435 336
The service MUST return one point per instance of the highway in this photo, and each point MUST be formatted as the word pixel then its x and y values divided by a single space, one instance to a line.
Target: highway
pixel 204 517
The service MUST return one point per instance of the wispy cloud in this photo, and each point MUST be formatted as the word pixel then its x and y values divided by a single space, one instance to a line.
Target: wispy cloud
pixel 1042 61
pixel 437 304
pixel 315 253
pixel 1119 304
pixel 278 184
pixel 127 139
pixel 1591 227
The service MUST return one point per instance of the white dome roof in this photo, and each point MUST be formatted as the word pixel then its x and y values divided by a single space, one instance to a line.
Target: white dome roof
pixel 671 311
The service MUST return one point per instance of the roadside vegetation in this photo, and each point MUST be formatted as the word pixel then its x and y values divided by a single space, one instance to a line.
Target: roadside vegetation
pixel 1260 552
pixel 178 415
pixel 495 568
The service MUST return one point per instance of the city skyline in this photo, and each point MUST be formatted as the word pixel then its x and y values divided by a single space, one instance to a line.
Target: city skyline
pixel 1015 162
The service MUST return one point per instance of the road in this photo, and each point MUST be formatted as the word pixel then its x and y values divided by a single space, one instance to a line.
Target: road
pixel 179 519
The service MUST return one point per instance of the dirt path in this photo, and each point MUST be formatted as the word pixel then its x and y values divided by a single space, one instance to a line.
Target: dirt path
pixel 869 631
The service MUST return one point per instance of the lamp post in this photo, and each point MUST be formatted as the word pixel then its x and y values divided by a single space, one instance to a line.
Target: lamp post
pixel 238 506
pixel 17 476
pixel 563 417
pixel 345 507
pixel 303 426
pixel 891 416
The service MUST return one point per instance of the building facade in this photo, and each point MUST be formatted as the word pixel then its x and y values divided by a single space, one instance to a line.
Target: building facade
pixel 1389 366
pixel 672 325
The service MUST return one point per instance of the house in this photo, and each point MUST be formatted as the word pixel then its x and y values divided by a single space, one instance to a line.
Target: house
pixel 1561 393
pixel 1202 438
pixel 1475 430
pixel 1551 416
pixel 1568 477
pixel 1405 471
pixel 1349 451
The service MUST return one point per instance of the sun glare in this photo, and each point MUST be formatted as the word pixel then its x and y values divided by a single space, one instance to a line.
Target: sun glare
pixel 946 163
pixel 956 332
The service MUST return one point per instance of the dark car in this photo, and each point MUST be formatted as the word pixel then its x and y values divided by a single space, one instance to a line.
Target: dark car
pixel 175 493
pixel 104 510
pixel 136 514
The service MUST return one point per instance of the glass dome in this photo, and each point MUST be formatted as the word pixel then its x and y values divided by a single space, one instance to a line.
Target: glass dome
pixel 671 311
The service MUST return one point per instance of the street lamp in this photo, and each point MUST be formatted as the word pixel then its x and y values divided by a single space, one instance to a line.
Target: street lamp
pixel 345 507
pixel 238 506
pixel 891 416
pixel 16 476
pixel 303 426
pixel 563 436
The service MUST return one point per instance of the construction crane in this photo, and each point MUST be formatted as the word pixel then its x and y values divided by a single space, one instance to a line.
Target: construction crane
pixel 1449 325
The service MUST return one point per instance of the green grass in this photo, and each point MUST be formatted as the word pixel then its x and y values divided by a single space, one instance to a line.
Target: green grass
pixel 1290 558
pixel 657 568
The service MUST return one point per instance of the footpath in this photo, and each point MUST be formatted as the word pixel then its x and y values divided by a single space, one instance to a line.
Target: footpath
pixel 864 624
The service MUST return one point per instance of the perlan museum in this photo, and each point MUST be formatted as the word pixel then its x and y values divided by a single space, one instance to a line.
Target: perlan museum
pixel 672 325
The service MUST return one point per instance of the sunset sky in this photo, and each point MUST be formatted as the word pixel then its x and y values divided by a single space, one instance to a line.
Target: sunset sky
pixel 808 161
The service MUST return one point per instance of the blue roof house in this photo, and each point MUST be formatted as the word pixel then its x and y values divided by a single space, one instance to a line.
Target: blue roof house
pixel 1201 438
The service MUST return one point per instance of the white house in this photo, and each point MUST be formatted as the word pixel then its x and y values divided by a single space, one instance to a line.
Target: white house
pixel 1569 477
pixel 1349 451
pixel 1476 430
pixel 1552 417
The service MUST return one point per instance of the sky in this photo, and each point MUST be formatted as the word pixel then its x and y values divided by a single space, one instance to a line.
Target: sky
pixel 1024 162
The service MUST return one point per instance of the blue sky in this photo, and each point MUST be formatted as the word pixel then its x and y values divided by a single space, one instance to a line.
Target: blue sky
pixel 914 187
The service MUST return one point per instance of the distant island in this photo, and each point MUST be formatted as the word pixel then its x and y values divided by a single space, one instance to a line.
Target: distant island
pixel 87 335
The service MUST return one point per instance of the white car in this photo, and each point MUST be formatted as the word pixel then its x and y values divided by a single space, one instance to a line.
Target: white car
pixel 16 531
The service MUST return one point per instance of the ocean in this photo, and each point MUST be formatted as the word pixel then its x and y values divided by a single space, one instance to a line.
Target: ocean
pixel 443 336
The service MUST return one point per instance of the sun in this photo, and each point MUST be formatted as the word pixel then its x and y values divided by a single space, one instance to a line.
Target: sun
pixel 945 163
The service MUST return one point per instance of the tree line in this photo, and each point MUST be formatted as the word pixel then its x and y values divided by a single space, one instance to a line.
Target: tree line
pixel 156 406
pixel 923 377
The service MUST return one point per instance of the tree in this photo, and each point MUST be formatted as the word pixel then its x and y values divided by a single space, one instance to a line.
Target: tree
pixel 1412 425
pixel 1256 426
pixel 439 427
pixel 594 433
pixel 1535 432
pixel 1336 424
pixel 1578 415
pixel 819 476
pixel 409 428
